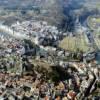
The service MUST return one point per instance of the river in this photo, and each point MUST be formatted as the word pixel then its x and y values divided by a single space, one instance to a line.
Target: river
pixel 98 57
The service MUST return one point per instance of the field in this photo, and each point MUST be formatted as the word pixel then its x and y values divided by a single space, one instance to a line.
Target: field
pixel 74 43
pixel 98 5
pixel 97 41
pixel 94 24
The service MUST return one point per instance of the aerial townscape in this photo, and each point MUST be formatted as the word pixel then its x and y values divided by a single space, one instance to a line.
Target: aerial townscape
pixel 49 49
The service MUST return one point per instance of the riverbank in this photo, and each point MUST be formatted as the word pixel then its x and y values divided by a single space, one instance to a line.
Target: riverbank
pixel 98 57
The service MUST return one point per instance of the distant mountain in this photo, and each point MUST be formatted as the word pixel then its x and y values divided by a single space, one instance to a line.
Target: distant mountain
pixel 49 10
pixel 59 12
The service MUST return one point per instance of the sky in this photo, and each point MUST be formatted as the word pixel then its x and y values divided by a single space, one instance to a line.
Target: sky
pixel 24 3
